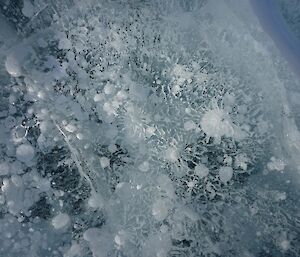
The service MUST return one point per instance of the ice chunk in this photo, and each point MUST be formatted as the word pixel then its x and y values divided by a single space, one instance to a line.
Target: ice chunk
pixel 60 221
pixel 225 174
pixel 25 153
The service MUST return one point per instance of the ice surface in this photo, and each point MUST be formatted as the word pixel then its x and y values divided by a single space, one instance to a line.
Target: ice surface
pixel 201 170
pixel 60 221
pixel 145 128
pixel 225 174
pixel 25 153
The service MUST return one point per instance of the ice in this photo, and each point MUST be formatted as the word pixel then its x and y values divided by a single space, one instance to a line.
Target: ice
pixel 225 174
pixel 60 221
pixel 144 166
pixel 189 125
pixel 217 123
pixel 99 97
pixel 25 153
pixel 171 154
pixel 13 67
pixel 276 164
pixel 70 128
pixel 104 161
pixel 160 210
pixel 147 128
pixel 4 168
pixel 285 245
pixel 96 201
pixel 28 8
pixel 201 170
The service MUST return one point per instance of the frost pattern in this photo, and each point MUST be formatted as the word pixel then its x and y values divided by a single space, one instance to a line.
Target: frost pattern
pixel 143 128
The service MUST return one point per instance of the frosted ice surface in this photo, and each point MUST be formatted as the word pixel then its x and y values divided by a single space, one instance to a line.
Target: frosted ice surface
pixel 189 125
pixel 217 123
pixel 61 220
pixel 104 161
pixel 276 164
pixel 145 128
pixel 160 210
pixel 201 170
pixel 25 153
pixel 13 67
pixel 225 174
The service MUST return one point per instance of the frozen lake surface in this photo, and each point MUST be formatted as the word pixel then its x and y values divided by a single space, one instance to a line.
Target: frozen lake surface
pixel 149 128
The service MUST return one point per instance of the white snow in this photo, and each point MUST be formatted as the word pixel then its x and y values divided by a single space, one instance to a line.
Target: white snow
pixel 60 221
pixel 225 174
pixel 25 153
